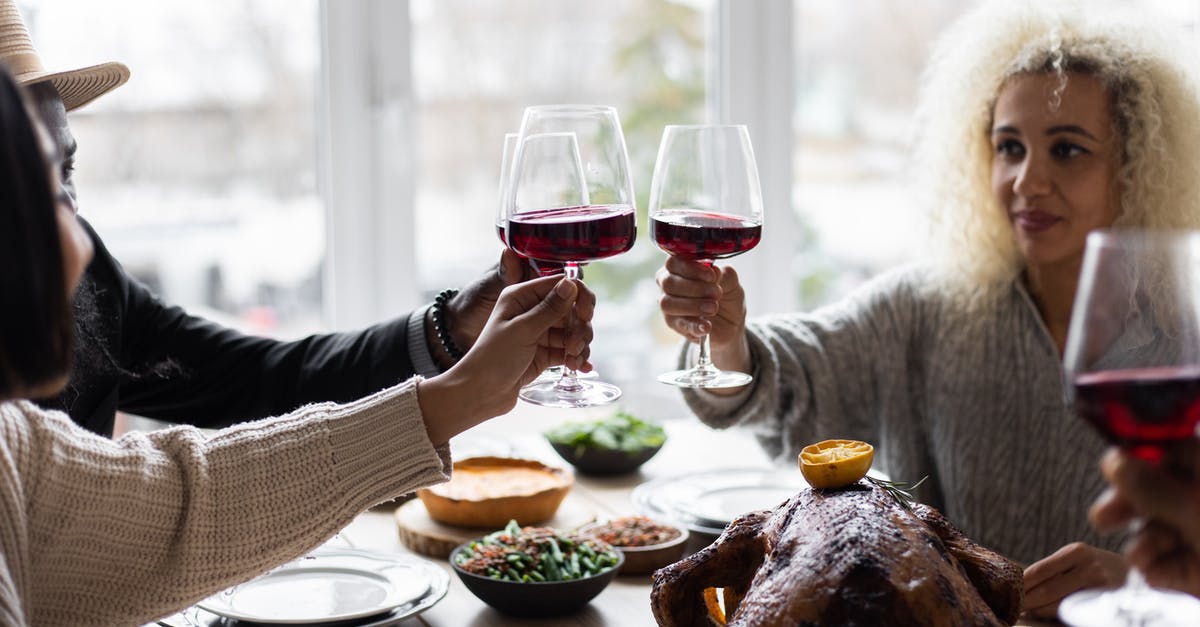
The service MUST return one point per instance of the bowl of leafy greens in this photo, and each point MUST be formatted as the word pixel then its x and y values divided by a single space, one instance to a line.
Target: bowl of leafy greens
pixel 614 445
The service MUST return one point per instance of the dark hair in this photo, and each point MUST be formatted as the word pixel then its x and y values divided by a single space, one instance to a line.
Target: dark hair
pixel 35 316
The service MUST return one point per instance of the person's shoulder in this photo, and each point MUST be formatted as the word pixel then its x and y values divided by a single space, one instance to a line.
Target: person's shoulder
pixel 18 417
pixel 920 280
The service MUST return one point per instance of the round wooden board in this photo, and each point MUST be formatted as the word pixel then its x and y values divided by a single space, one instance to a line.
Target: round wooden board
pixel 426 536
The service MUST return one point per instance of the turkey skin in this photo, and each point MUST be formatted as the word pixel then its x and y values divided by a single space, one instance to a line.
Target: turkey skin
pixel 854 556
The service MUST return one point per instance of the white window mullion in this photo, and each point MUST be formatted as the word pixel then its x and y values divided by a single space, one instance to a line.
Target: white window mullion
pixel 365 148
pixel 752 83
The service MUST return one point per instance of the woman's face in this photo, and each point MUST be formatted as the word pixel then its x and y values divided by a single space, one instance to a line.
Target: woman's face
pixel 1054 169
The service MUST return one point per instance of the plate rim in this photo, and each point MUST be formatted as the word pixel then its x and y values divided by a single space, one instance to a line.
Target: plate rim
pixel 705 518
pixel 437 585
pixel 642 495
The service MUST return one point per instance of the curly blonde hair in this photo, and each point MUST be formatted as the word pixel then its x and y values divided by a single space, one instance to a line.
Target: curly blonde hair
pixel 1145 68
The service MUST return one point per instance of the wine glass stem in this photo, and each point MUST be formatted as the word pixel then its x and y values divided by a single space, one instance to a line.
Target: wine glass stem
pixel 1135 607
pixel 703 360
pixel 568 383
pixel 704 366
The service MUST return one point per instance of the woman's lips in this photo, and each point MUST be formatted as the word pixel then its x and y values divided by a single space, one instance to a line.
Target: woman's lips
pixel 1035 220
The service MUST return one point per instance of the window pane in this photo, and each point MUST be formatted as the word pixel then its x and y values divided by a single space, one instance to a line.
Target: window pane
pixel 200 172
pixel 477 64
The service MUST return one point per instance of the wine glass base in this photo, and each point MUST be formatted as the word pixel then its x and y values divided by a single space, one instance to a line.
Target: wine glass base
pixel 583 394
pixel 554 373
pixel 1151 607
pixel 696 378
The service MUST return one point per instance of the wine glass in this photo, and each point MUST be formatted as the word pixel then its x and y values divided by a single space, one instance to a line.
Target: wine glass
pixel 1133 362
pixel 542 268
pixel 705 204
pixel 570 209
pixel 567 144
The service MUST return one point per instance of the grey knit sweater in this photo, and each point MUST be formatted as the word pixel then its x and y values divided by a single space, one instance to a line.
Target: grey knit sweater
pixel 97 532
pixel 974 401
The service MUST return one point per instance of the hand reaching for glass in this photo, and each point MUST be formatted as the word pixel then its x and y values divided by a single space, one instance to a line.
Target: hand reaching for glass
pixel 525 334
pixel 468 311
pixel 699 298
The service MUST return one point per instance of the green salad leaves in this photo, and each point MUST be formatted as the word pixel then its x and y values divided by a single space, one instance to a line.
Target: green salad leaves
pixel 620 432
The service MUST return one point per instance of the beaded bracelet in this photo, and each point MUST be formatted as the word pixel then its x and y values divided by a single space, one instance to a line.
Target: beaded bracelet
pixel 439 326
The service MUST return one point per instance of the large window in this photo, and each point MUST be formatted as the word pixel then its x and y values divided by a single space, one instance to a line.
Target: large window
pixel 200 173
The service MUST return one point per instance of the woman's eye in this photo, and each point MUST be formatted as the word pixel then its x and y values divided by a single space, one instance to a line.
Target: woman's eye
pixel 1067 150
pixel 1010 148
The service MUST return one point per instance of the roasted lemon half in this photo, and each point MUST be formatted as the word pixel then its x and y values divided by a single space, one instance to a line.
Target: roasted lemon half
pixel 835 463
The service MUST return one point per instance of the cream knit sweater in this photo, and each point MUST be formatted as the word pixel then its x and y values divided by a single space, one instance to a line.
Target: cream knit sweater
pixel 102 532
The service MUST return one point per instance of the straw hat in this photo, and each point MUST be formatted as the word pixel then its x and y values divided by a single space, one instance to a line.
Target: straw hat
pixel 76 87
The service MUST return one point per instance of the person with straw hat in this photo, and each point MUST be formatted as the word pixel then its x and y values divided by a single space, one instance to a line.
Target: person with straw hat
pixel 137 354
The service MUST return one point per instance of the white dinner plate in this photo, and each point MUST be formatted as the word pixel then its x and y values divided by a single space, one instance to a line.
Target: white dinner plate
pixel 705 502
pixel 332 585
pixel 721 505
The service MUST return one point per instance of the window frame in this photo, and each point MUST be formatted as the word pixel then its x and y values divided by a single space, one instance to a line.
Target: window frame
pixel 366 148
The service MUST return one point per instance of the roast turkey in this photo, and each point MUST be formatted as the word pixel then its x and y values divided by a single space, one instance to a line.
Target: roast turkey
pixel 856 556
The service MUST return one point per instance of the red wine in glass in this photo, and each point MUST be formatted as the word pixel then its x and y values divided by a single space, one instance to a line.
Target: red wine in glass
pixel 573 234
pixel 1144 397
pixel 1143 410
pixel 703 236
pixel 541 268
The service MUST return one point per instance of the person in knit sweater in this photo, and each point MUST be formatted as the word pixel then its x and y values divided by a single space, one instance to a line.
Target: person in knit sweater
pixel 1038 122
pixel 101 532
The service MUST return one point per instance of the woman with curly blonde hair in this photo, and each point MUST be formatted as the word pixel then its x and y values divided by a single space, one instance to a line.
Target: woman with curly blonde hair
pixel 1037 125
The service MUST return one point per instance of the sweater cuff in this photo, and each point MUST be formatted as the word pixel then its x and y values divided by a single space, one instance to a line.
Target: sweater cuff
pixel 720 411
pixel 418 348
pixel 385 451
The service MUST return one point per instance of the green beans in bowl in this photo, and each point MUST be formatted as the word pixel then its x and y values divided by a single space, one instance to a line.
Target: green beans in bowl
pixel 614 445
pixel 535 571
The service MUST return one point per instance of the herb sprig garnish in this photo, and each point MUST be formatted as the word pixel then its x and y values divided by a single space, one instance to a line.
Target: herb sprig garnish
pixel 899 490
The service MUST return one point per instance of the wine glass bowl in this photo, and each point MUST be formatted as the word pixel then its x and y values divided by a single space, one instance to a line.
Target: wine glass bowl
pixel 1132 361
pixel 566 143
pixel 569 201
pixel 705 205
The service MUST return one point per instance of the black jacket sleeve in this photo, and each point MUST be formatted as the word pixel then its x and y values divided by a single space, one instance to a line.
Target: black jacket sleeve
pixel 173 366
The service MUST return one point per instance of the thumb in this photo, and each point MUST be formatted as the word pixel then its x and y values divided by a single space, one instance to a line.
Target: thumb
pixel 512 268
pixel 553 307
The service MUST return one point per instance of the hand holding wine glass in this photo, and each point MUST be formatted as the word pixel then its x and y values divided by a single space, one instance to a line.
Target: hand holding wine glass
pixel 1167 549
pixel 570 201
pixel 1132 361
pixel 705 205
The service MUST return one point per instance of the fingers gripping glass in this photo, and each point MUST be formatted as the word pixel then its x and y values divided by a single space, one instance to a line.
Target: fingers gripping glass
pixel 705 205
pixel 1132 360
pixel 570 200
